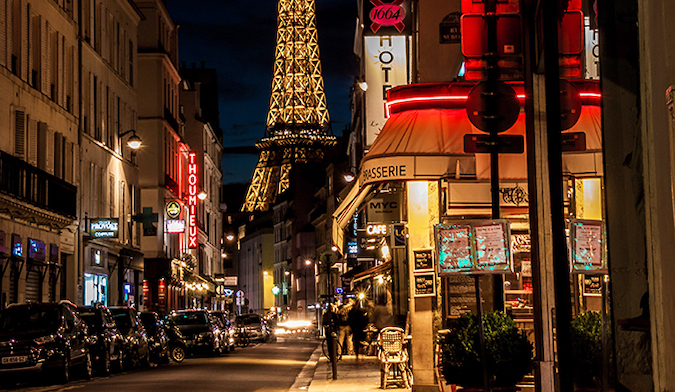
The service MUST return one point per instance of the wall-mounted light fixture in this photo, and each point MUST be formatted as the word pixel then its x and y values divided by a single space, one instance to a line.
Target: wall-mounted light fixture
pixel 134 141
pixel 202 195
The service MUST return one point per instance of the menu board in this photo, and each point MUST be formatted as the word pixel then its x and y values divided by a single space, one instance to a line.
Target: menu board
pixel 480 247
pixel 425 285
pixel 587 247
pixel 593 285
pixel 454 247
pixel 424 260
pixel 460 295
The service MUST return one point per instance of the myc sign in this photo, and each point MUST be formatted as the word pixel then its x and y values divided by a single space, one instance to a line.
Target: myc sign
pixel 104 228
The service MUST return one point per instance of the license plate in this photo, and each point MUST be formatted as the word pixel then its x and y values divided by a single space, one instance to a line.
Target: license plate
pixel 10 360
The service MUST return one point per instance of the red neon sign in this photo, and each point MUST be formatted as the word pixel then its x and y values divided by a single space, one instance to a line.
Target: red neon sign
pixel 192 200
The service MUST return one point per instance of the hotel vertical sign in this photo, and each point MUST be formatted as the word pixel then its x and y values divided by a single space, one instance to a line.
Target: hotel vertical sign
pixel 192 200
pixel 386 67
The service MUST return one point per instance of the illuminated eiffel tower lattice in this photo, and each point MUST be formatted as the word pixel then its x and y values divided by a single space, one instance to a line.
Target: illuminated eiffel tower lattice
pixel 298 128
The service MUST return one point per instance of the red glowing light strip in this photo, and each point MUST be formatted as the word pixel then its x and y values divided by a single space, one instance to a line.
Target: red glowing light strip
pixel 590 95
pixel 192 200
pixel 460 98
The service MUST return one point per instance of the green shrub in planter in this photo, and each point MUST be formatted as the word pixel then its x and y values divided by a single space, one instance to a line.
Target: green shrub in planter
pixel 509 353
pixel 586 341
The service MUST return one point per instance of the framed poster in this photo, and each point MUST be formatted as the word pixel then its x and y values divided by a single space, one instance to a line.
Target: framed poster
pixel 493 252
pixel 424 260
pixel 478 247
pixel 587 247
pixel 425 284
pixel 454 248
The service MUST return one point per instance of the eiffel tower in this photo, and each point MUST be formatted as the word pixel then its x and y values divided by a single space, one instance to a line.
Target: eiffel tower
pixel 298 125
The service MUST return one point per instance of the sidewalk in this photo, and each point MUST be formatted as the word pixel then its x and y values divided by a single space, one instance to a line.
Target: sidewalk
pixel 352 375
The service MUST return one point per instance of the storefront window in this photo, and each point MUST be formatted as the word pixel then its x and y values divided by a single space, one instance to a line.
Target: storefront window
pixel 95 289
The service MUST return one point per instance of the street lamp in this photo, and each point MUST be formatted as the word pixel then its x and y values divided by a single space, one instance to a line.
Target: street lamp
pixel 308 263
pixel 134 141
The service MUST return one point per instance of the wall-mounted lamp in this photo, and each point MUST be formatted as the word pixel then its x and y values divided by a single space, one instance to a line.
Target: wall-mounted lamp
pixel 349 177
pixel 229 237
pixel 134 141
pixel 363 86
pixel 202 195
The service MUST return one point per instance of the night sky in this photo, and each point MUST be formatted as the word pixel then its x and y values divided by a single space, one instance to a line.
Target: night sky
pixel 237 38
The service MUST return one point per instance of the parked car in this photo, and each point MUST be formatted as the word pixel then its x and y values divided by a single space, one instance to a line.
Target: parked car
pixel 226 327
pixel 106 341
pixel 136 347
pixel 255 326
pixel 177 345
pixel 157 338
pixel 200 331
pixel 43 338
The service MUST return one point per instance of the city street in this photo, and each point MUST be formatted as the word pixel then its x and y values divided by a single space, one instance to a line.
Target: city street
pixel 265 367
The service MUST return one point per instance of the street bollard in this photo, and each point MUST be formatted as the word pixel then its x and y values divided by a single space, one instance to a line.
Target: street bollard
pixel 333 354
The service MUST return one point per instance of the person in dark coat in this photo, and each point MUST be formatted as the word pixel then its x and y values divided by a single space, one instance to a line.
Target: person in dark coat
pixel 358 321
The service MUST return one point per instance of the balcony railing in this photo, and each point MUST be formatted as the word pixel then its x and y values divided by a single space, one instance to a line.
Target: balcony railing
pixel 29 184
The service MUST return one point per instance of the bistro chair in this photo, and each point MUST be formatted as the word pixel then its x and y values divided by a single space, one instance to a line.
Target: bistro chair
pixel 393 357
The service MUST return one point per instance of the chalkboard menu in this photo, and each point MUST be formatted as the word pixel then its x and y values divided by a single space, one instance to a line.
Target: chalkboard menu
pixel 424 260
pixel 459 295
pixel 593 285
pixel 425 285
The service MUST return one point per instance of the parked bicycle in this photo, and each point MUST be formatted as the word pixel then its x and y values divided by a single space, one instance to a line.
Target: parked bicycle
pixel 326 351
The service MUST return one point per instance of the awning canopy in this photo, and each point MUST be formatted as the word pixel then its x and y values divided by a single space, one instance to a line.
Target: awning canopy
pixel 343 214
pixel 377 270
pixel 423 139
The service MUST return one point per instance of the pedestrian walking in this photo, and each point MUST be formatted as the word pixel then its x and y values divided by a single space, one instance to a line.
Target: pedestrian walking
pixel 358 321
pixel 345 332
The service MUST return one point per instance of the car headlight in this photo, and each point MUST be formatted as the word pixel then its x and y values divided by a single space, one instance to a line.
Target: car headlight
pixel 44 339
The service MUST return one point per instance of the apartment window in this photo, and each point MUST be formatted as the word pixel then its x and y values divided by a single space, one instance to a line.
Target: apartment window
pixel 35 50
pixel 16 59
pixel 97 125
pixel 20 134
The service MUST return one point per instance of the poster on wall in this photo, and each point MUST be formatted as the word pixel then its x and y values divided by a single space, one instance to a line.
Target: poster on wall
pixel 474 247
pixel 587 247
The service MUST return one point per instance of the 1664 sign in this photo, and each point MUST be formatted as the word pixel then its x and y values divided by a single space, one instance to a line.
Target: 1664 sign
pixel 192 200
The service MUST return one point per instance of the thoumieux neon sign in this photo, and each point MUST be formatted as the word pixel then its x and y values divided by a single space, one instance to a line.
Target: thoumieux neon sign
pixel 192 200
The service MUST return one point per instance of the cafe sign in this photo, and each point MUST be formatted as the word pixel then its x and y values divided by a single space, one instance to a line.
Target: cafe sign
pixel 104 228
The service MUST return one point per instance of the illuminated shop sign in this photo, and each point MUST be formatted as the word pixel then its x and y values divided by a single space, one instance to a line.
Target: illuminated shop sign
pixel 386 67
pixel 175 226
pixel 192 200
pixel 36 250
pixel 376 229
pixel 387 18
pixel 104 228
pixel 173 209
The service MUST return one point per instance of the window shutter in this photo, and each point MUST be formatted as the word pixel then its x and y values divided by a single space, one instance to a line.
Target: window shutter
pixel 60 71
pixel 104 32
pixel 68 162
pixel 46 45
pixel 24 41
pixel 31 142
pixel 20 134
pixel 45 148
pixel 4 33
pixel 58 155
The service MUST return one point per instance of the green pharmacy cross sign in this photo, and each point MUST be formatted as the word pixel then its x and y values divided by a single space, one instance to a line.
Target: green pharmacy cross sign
pixel 474 248
pixel 148 218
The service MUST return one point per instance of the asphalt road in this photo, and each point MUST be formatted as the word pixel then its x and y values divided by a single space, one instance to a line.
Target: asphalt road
pixel 263 367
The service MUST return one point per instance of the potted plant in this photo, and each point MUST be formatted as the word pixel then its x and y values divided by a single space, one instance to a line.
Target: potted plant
pixel 509 353
pixel 586 345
